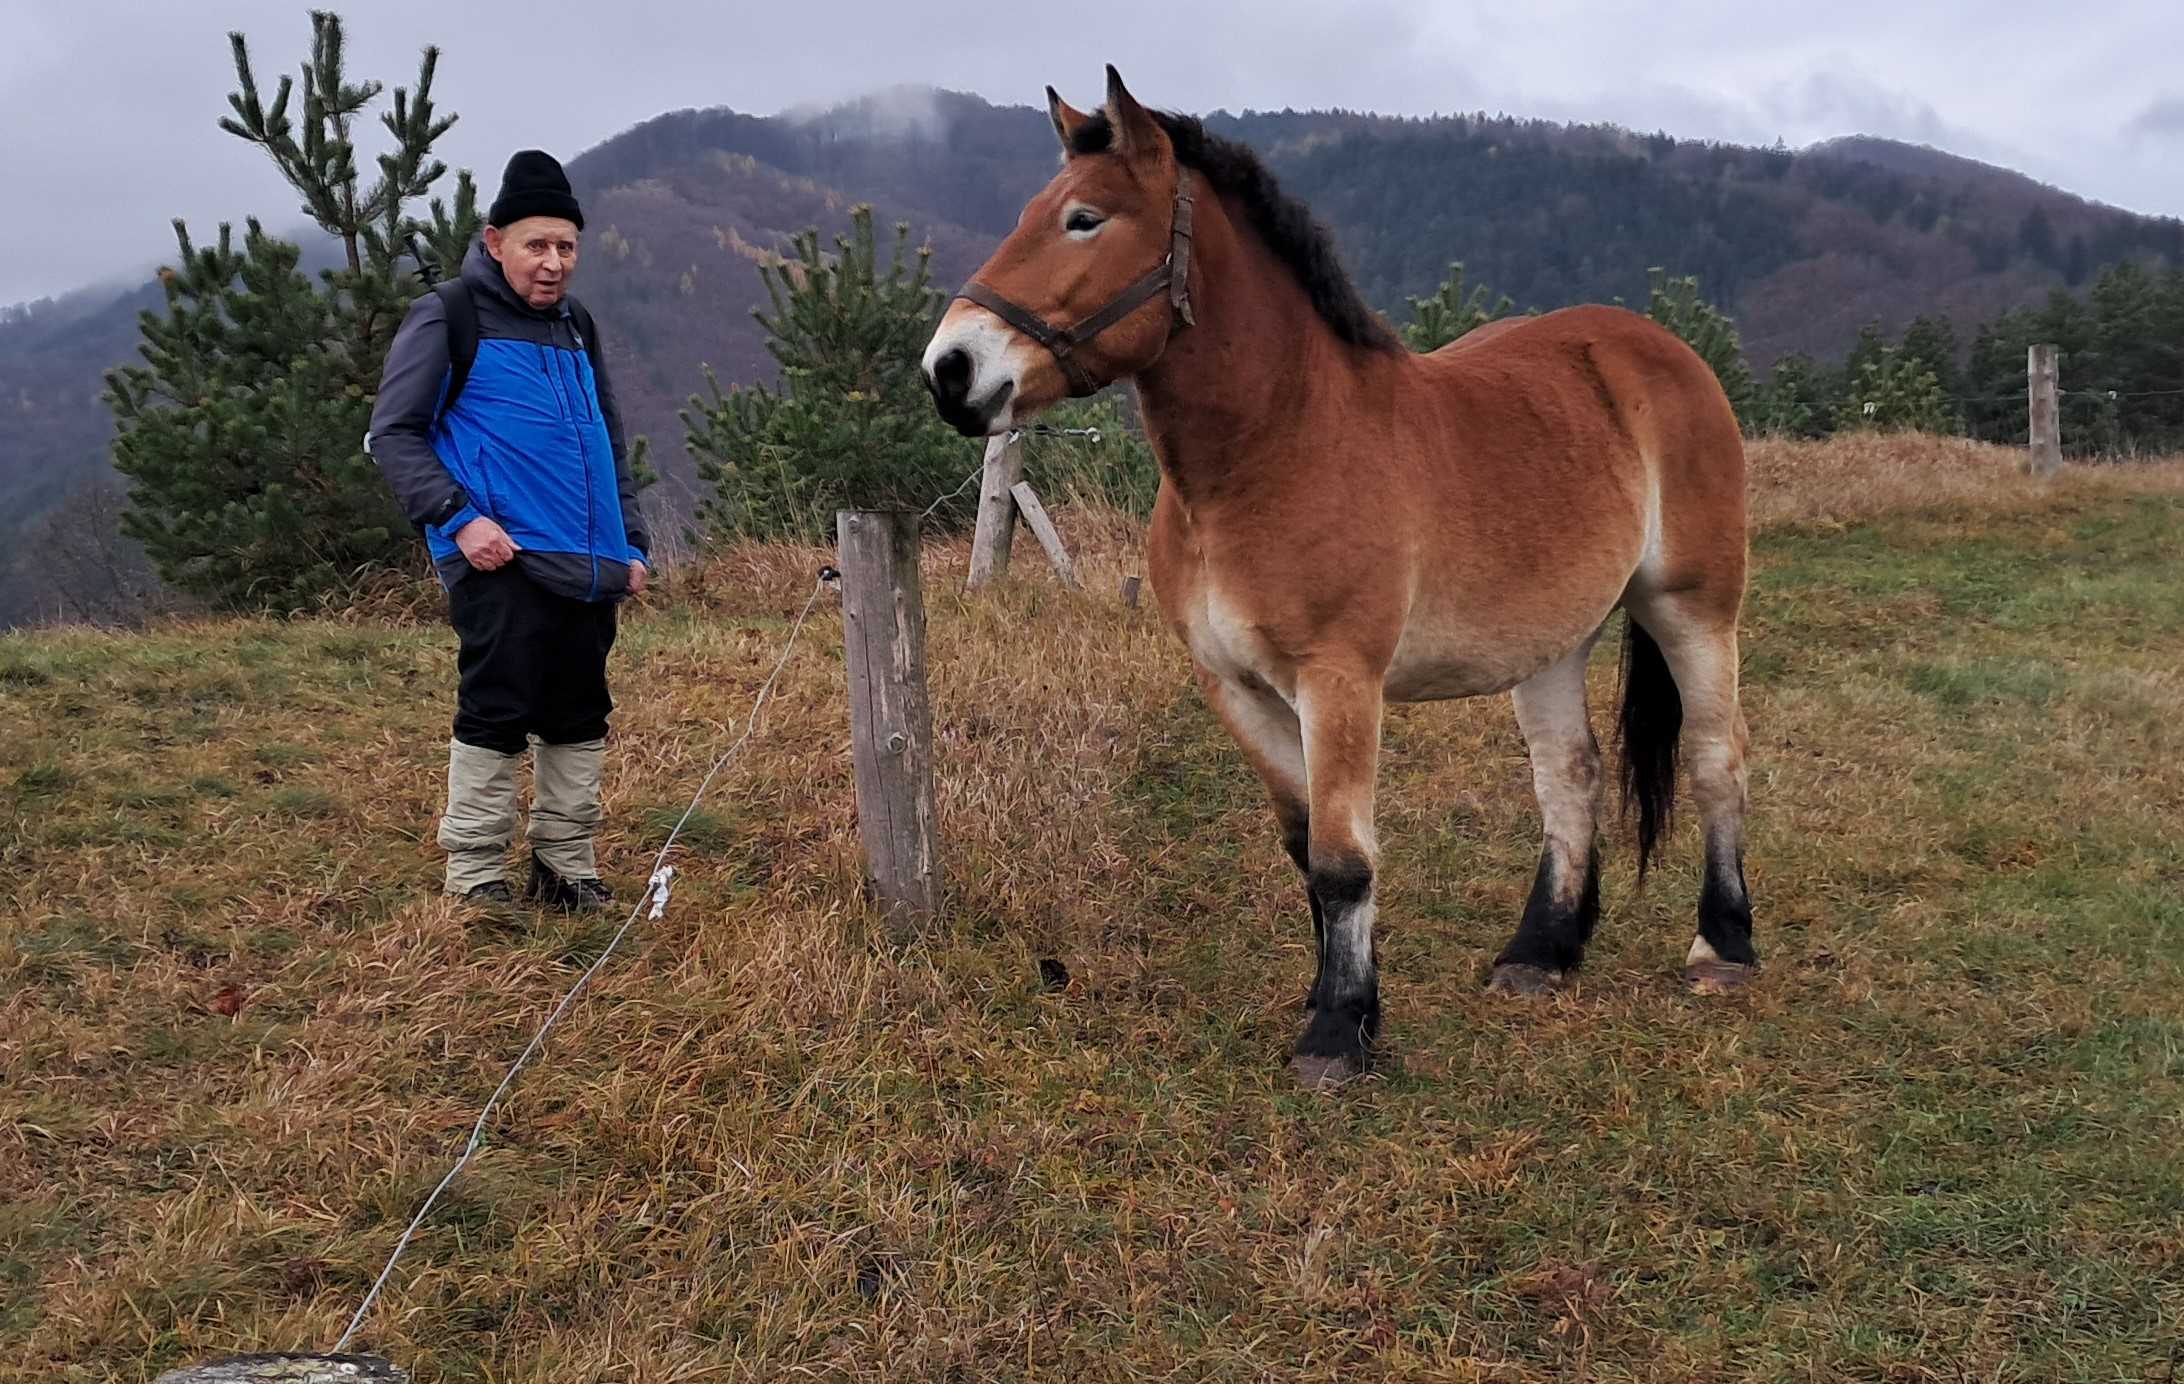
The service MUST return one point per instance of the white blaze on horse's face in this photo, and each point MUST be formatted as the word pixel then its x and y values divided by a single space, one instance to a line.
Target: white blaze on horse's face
pixel 1071 300
pixel 975 367
pixel 1088 237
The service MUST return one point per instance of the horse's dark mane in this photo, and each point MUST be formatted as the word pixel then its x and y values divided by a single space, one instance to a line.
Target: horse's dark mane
pixel 1284 223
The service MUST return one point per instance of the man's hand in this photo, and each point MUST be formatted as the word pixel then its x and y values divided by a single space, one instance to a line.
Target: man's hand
pixel 485 544
pixel 637 578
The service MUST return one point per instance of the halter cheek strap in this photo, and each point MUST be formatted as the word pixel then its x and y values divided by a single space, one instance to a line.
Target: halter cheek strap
pixel 1172 274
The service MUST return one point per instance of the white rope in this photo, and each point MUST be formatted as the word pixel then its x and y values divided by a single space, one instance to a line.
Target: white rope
pixel 656 891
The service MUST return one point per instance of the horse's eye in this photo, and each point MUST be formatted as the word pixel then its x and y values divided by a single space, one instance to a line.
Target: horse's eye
pixel 1081 220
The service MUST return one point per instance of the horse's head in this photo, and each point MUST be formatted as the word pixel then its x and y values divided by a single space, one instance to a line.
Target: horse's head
pixel 1086 289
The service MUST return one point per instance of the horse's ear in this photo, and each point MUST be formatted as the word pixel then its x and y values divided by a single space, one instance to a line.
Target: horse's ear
pixel 1135 130
pixel 1067 119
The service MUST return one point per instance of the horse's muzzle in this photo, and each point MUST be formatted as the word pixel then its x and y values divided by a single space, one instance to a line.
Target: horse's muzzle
pixel 950 381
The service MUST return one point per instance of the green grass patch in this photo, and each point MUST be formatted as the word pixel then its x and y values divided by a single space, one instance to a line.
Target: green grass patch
pixel 705 830
pixel 1963 684
pixel 280 755
pixel 46 780
pixel 302 803
pixel 18 671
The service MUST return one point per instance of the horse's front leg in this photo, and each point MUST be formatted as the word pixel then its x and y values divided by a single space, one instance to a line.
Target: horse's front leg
pixel 1265 728
pixel 1339 712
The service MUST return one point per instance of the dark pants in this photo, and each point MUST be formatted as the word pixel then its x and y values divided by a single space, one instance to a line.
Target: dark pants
pixel 531 662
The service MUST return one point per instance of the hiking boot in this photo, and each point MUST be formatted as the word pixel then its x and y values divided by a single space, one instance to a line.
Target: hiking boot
pixel 550 890
pixel 491 905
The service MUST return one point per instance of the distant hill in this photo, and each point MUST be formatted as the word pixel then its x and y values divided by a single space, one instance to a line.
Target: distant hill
pixel 1801 247
pixel 53 427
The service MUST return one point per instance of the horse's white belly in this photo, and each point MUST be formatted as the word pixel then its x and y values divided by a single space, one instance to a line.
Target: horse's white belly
pixel 1438 669
pixel 1436 661
pixel 1451 660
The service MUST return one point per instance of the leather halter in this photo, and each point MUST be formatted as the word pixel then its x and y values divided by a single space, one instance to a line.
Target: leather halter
pixel 1172 274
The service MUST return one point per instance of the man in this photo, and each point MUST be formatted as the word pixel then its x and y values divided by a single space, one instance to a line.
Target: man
pixel 521 485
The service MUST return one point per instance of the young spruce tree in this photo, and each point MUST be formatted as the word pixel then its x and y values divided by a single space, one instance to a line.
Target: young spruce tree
pixel 242 433
pixel 850 423
pixel 1450 312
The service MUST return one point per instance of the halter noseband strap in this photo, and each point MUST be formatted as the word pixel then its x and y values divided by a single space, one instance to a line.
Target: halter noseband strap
pixel 1172 274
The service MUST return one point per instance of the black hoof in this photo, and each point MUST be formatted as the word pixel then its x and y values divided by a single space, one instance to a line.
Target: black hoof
pixel 1523 978
pixel 1337 1043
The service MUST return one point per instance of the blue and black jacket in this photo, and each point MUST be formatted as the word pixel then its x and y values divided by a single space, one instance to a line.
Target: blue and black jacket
pixel 533 442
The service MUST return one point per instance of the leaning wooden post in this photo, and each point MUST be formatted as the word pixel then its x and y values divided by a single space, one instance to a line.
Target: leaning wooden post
pixel 996 510
pixel 890 721
pixel 2046 456
pixel 1042 527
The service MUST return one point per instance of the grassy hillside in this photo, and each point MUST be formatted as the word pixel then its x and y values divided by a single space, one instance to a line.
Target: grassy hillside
pixel 242 1036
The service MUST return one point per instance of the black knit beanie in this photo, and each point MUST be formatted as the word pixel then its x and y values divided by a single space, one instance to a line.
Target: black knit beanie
pixel 534 185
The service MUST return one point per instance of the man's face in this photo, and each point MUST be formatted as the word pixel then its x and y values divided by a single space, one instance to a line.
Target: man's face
pixel 537 255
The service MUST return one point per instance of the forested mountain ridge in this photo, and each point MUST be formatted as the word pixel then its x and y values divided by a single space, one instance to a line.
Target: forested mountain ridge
pixel 1802 248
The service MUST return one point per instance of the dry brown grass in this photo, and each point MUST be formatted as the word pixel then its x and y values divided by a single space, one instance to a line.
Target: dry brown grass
pixel 1859 477
pixel 242 1036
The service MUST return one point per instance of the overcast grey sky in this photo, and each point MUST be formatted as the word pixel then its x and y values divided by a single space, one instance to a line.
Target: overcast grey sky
pixel 108 110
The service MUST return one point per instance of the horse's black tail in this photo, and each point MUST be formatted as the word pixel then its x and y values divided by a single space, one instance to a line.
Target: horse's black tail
pixel 1648 727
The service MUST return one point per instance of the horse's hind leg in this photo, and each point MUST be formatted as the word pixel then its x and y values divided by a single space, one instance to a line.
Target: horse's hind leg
pixel 1565 900
pixel 1701 651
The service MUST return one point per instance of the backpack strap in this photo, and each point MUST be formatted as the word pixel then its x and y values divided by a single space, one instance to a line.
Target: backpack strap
pixel 462 337
pixel 587 335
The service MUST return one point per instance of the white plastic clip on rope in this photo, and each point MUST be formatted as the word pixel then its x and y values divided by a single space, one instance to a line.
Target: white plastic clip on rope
pixel 656 891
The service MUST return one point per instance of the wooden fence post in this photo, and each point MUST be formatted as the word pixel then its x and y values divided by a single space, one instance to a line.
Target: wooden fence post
pixel 2046 432
pixel 996 511
pixel 890 720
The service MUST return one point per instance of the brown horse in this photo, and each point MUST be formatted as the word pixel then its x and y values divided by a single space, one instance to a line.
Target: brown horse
pixel 1342 522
